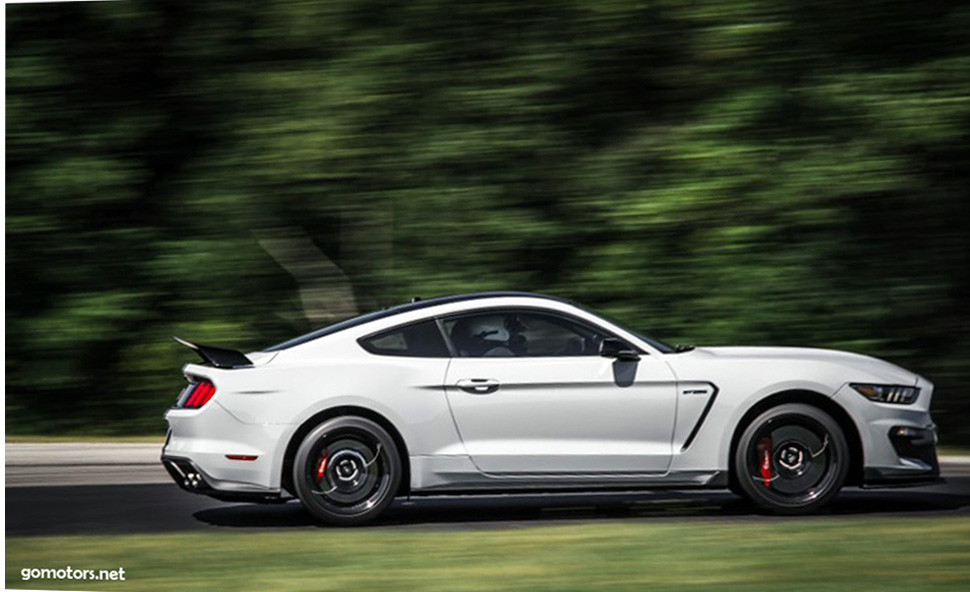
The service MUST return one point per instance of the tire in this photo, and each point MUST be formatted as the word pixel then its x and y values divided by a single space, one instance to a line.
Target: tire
pixel 792 459
pixel 347 471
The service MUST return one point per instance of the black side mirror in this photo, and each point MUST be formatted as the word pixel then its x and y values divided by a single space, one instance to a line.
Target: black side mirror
pixel 614 348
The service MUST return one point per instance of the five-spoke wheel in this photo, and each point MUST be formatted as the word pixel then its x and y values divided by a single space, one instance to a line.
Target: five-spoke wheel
pixel 791 459
pixel 347 471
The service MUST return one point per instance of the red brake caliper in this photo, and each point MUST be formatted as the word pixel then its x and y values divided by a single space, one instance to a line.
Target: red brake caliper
pixel 321 465
pixel 765 446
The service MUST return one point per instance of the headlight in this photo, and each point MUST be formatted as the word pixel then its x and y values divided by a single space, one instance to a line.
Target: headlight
pixel 887 393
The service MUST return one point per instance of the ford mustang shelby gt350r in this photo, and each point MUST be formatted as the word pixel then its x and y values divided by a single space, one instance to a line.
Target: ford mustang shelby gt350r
pixel 508 392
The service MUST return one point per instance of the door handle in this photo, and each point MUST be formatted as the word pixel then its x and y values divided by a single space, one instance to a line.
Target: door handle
pixel 478 386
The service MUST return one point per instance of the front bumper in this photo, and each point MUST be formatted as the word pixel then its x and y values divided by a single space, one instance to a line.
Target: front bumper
pixel 916 449
pixel 874 477
pixel 898 441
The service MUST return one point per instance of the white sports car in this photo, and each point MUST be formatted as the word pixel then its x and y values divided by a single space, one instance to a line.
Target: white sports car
pixel 508 392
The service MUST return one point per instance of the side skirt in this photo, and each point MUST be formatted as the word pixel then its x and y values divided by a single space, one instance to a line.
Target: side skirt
pixel 550 484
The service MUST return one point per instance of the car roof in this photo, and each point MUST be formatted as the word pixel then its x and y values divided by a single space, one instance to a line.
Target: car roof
pixel 416 304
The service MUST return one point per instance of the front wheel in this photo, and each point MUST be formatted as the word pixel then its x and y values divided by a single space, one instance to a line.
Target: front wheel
pixel 347 471
pixel 791 459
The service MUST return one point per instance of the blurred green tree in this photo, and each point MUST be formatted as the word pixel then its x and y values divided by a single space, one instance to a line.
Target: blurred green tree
pixel 785 172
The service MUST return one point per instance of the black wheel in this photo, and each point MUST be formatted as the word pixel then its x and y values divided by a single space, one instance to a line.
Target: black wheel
pixel 791 459
pixel 347 471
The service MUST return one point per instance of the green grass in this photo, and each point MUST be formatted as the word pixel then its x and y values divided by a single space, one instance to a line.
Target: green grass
pixel 791 555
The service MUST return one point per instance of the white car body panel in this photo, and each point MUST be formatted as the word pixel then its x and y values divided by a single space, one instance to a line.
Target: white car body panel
pixel 565 415
pixel 668 419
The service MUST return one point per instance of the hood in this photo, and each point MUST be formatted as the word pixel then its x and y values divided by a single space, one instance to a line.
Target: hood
pixel 879 369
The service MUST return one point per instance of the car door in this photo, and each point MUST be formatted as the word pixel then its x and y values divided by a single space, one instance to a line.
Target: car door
pixel 530 394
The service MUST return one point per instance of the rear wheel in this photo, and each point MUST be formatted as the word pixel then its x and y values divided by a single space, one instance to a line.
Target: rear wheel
pixel 347 471
pixel 791 459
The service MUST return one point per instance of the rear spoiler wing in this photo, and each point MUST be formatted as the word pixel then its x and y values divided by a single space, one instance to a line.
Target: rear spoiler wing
pixel 217 356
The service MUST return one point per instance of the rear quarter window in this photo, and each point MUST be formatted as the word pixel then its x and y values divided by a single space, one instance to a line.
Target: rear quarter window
pixel 420 340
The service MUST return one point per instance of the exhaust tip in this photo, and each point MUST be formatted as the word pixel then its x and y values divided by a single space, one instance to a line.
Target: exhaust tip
pixel 185 475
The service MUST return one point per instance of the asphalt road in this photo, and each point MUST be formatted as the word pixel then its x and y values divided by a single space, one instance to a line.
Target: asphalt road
pixel 155 508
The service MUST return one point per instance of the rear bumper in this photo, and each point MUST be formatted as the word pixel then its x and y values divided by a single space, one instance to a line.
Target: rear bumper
pixel 191 478
pixel 209 451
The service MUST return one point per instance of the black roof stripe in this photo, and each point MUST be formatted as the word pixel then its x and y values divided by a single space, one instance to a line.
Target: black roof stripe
pixel 402 308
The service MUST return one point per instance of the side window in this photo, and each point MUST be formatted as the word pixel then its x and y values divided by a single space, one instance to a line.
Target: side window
pixel 554 336
pixel 422 340
pixel 521 334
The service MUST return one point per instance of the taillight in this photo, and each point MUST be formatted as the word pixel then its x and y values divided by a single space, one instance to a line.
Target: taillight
pixel 199 394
